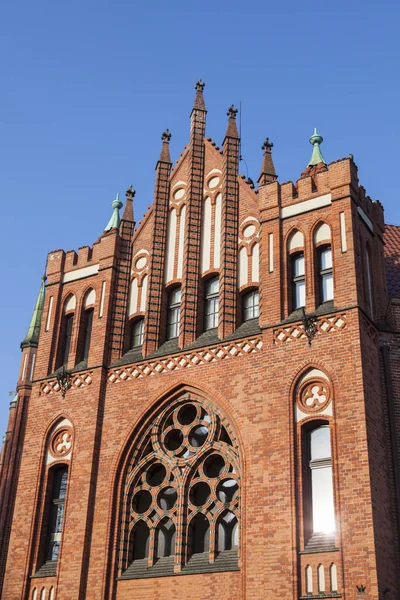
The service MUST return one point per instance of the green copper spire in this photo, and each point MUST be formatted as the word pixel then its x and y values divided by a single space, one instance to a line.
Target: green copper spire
pixel 32 337
pixel 115 220
pixel 316 157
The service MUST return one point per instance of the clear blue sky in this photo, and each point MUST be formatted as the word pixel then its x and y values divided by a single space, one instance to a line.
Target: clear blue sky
pixel 88 87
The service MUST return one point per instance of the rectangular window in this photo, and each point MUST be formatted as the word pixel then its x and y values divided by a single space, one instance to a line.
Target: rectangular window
pixel 320 472
pixel 88 322
pixel 298 281
pixel 211 304
pixel 69 320
pixel 174 313
pixel 325 274
pixel 56 513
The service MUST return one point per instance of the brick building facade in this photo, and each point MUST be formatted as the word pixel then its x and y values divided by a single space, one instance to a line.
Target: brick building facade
pixel 208 405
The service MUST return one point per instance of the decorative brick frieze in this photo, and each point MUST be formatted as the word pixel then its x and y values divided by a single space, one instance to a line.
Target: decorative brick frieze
pixel 186 359
pixel 295 331
pixel 80 380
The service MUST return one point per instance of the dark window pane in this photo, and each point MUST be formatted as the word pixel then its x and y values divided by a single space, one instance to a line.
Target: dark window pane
pixel 251 305
pixel 137 333
pixel 69 319
pixel 88 332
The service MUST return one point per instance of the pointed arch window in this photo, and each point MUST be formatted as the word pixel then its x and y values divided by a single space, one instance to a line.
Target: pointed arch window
pixel 298 280
pixel 184 469
pixel 320 482
pixel 67 322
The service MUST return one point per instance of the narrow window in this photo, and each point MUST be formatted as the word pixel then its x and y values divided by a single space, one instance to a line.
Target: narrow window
pixel 56 513
pixel 211 303
pixel 226 532
pixel 369 280
pixel 137 329
pixel 166 538
pixel 174 310
pixel 141 536
pixel 251 305
pixel 199 534
pixel 69 320
pixel 325 273
pixel 298 281
pixel 320 477
pixel 87 332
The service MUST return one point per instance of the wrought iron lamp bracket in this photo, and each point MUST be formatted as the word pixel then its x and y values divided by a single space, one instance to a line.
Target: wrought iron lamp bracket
pixel 64 380
pixel 310 324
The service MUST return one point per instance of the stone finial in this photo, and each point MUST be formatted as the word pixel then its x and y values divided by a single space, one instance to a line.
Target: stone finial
pixel 268 173
pixel 267 145
pixel 130 193
pixel 115 220
pixel 166 136
pixel 232 112
pixel 165 154
pixel 199 99
pixel 199 85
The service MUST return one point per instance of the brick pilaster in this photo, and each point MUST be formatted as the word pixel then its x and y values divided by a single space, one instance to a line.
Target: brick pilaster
pixel 156 277
pixel 229 230
pixel 192 247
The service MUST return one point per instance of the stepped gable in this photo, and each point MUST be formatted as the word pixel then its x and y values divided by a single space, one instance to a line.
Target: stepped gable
pixel 392 259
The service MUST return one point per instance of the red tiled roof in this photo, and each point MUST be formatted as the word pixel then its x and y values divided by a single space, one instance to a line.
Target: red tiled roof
pixel 392 259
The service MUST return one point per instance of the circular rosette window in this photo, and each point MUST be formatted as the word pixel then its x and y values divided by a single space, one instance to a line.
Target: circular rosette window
pixel 153 493
pixel 61 442
pixel 185 431
pixel 314 395
pixel 214 486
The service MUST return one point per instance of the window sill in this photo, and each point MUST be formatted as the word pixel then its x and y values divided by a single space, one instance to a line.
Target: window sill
pixel 198 564
pixel 49 569
pixel 320 542
pixel 318 596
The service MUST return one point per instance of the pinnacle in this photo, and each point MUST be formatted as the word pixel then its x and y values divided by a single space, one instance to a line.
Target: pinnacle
pixel 199 99
pixel 268 173
pixel 165 155
pixel 232 130
pixel 128 210
pixel 115 220
pixel 317 162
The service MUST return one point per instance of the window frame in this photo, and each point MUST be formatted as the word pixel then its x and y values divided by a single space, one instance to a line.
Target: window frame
pixel 323 273
pixel 51 511
pixel 308 465
pixel 297 279
pixel 173 312
pixel 211 299
pixel 247 294
pixel 136 323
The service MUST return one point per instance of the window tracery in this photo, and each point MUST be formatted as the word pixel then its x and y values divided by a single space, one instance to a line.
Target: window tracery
pixel 182 487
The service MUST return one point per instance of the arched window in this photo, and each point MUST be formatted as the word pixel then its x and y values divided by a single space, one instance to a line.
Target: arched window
pixel 67 322
pixel 325 274
pixel 166 538
pixel 251 305
pixel 174 311
pixel 58 483
pixel 199 535
pixel 211 303
pixel 137 330
pixel 184 468
pixel 298 280
pixel 227 526
pixel 85 329
pixel 140 541
pixel 319 467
